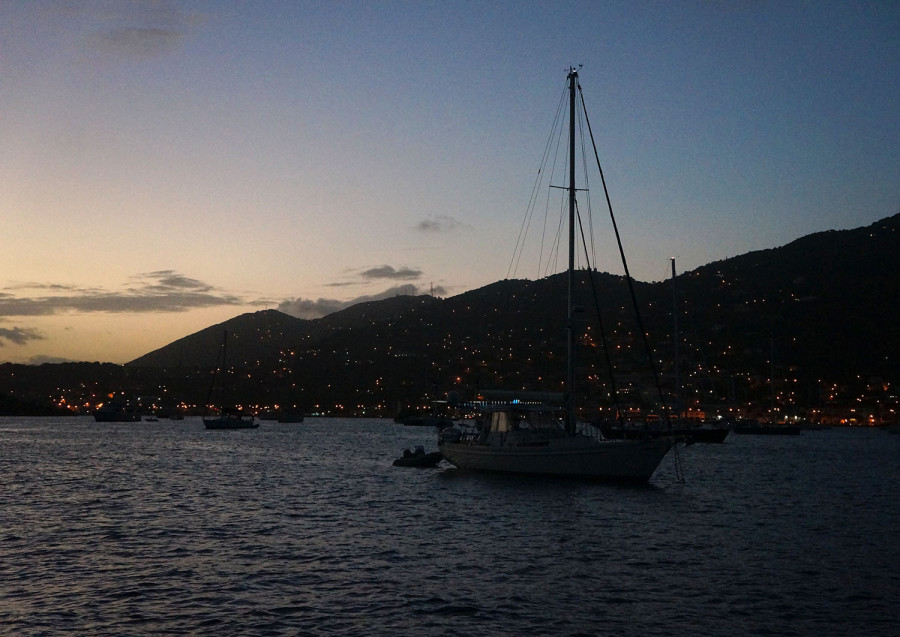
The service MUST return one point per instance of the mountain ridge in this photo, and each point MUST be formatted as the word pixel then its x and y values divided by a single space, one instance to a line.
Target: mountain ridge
pixel 836 275
pixel 782 325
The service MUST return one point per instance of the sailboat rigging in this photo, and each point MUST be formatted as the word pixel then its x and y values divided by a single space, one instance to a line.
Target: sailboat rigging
pixel 530 438
pixel 688 432
pixel 226 418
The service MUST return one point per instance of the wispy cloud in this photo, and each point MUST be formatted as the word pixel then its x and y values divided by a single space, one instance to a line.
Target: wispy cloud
pixel 140 28
pixel 169 280
pixel 407 289
pixel 41 359
pixel 439 223
pixel 19 335
pixel 367 275
pixel 141 41
pixel 310 309
pixel 317 308
pixel 161 291
pixel 390 272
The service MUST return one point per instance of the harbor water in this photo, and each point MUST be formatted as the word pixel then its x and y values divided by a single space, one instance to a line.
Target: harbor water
pixel 307 529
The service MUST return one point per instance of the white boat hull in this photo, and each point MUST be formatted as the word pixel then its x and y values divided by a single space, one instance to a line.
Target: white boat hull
pixel 619 460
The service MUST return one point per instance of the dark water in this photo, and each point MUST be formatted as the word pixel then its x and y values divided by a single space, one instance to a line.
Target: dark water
pixel 307 529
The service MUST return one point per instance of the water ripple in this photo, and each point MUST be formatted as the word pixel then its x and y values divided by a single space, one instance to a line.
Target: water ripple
pixel 308 529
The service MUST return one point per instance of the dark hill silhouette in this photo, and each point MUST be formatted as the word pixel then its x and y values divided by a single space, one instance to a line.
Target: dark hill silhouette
pixel 826 294
pixel 828 301
pixel 820 307
pixel 818 312
pixel 256 336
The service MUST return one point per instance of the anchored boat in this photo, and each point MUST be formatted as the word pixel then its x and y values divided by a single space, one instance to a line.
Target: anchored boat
pixel 546 440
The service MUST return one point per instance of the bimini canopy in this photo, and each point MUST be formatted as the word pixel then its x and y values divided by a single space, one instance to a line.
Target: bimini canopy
pixel 510 419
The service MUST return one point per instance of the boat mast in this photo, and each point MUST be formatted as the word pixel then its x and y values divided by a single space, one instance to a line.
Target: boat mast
pixel 678 405
pixel 570 329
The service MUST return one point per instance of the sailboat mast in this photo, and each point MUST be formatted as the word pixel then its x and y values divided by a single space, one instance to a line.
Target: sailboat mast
pixel 224 358
pixel 570 329
pixel 675 339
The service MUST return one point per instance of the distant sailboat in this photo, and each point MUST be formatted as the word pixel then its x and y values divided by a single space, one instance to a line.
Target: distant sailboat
pixel 116 410
pixel 226 418
pixel 688 432
pixel 538 440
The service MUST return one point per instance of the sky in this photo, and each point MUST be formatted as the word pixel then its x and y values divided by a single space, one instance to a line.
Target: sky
pixel 166 165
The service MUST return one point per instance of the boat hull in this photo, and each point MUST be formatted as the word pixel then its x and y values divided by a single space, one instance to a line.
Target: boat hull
pixel 689 435
pixel 614 460
pixel 230 423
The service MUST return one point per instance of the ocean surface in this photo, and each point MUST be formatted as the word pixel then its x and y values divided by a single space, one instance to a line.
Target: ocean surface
pixel 307 529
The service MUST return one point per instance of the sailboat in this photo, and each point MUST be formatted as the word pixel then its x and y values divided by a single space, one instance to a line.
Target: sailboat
pixel 689 433
pixel 226 419
pixel 116 410
pixel 541 440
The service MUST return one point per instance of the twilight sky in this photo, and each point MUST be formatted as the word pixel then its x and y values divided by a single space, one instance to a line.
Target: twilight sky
pixel 167 165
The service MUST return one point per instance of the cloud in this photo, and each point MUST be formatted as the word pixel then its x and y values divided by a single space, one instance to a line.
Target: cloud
pixel 56 287
pixel 161 291
pixel 389 272
pixel 309 309
pixel 139 41
pixel 135 29
pixel 440 223
pixel 169 280
pixel 41 359
pixel 407 289
pixel 19 335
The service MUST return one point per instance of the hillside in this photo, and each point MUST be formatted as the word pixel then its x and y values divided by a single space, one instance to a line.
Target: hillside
pixel 814 309
pixel 259 336
pixel 818 315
